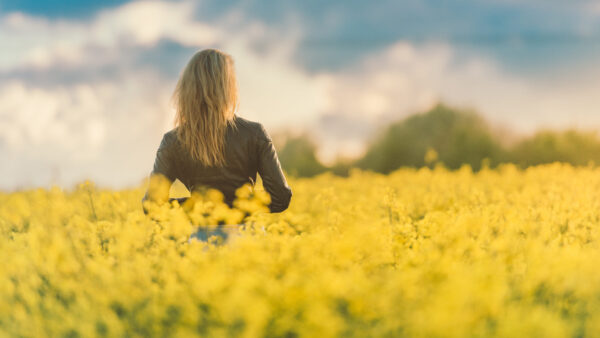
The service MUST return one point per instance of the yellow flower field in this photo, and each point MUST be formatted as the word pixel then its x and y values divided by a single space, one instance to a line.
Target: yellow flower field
pixel 417 253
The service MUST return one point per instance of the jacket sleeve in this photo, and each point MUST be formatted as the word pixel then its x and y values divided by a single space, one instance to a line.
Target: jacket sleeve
pixel 270 171
pixel 162 175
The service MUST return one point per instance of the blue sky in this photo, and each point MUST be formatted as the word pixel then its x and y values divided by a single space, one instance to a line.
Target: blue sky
pixel 519 34
pixel 85 85
pixel 73 9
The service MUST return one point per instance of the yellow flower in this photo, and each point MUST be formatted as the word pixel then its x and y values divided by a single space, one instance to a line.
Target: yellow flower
pixel 418 252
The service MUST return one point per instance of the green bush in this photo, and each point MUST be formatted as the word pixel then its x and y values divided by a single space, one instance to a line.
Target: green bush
pixel 571 146
pixel 448 136
pixel 298 157
pixel 456 137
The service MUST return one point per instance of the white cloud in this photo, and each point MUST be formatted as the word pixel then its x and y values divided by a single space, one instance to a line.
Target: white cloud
pixel 146 22
pixel 41 43
pixel 106 131
pixel 274 90
pixel 397 80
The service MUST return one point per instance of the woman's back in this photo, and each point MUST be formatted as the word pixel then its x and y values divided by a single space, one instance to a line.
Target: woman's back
pixel 248 150
pixel 210 145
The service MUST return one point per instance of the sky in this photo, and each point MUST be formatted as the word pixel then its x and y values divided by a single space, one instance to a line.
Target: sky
pixel 85 85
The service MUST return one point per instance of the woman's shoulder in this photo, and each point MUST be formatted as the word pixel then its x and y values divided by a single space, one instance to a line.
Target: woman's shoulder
pixel 169 138
pixel 252 128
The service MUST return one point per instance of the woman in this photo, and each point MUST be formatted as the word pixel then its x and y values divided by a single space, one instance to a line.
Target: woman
pixel 210 146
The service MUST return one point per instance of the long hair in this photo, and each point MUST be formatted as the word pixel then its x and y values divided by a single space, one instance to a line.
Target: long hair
pixel 206 99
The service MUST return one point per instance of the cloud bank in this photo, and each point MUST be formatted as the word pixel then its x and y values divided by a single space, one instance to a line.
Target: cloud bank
pixel 90 100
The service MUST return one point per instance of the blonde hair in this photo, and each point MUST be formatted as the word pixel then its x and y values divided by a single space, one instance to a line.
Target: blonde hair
pixel 206 99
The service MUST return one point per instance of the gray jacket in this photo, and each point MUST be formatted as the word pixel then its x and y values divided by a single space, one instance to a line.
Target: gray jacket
pixel 248 150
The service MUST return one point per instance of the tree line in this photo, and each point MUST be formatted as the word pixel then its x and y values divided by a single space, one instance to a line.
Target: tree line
pixel 451 137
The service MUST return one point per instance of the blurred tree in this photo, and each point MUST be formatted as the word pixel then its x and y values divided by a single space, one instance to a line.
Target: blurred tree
pixel 342 166
pixel 455 137
pixel 298 157
pixel 571 146
pixel 448 136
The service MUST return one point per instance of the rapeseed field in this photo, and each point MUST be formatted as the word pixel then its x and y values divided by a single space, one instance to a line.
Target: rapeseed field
pixel 417 253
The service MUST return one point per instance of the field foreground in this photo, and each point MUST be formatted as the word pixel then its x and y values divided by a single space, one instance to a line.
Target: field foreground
pixel 415 253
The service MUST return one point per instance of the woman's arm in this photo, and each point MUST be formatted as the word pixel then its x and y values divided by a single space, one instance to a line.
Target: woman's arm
pixel 272 176
pixel 162 175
